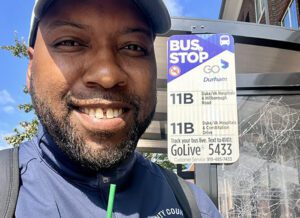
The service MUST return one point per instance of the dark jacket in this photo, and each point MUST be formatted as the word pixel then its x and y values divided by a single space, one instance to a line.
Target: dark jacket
pixel 54 186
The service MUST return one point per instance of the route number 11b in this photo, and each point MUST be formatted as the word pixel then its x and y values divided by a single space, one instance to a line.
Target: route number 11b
pixel 182 98
pixel 182 128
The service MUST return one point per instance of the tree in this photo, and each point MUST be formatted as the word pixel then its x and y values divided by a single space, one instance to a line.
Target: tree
pixel 29 128
pixel 161 159
pixel 17 50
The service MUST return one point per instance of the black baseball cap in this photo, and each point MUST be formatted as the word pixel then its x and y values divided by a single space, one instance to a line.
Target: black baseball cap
pixel 155 12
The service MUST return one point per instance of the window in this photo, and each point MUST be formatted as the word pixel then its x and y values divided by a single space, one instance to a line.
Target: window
pixel 290 18
pixel 265 181
pixel 259 9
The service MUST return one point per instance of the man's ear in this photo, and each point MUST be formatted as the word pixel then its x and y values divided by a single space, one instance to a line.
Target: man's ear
pixel 30 52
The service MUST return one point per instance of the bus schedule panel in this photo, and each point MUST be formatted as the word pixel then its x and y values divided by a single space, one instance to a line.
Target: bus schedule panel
pixel 202 102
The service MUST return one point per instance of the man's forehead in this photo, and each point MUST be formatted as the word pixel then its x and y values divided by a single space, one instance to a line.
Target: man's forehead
pixel 49 27
pixel 154 12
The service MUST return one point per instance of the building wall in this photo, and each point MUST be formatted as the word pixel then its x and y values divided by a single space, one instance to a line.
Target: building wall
pixel 247 12
pixel 276 11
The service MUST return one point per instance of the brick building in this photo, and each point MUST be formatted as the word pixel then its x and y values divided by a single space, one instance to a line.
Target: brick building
pixel 274 12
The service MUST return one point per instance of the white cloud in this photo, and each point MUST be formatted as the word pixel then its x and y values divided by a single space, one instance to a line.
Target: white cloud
pixel 174 7
pixel 9 109
pixel 5 97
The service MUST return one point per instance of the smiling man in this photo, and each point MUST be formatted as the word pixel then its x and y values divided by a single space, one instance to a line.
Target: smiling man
pixel 92 79
pixel 99 95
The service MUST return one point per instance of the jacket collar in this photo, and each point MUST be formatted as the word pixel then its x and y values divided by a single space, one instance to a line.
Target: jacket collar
pixel 63 165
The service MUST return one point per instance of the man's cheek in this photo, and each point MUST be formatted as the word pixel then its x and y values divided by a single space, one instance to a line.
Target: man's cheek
pixel 146 108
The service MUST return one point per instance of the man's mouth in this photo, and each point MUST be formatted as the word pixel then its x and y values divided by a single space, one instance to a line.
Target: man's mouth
pixel 102 113
pixel 102 117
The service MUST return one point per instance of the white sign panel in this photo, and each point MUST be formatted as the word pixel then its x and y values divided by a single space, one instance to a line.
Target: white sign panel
pixel 202 105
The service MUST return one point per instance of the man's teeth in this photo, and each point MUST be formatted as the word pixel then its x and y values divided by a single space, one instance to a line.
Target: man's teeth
pixel 109 113
pixel 99 113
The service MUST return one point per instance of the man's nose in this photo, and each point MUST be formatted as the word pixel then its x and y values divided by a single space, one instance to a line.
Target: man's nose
pixel 105 71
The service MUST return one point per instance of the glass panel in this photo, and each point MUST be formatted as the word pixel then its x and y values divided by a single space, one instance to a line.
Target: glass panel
pixel 286 20
pixel 294 17
pixel 258 9
pixel 265 182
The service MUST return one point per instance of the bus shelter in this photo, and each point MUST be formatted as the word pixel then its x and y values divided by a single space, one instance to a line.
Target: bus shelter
pixel 265 181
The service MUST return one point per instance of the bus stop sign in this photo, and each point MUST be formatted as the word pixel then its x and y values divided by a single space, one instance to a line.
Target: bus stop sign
pixel 202 104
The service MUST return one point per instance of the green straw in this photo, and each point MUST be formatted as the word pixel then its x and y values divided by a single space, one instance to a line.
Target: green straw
pixel 111 199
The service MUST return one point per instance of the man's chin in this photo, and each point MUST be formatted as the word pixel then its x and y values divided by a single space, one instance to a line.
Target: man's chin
pixel 100 152
pixel 96 157
pixel 102 146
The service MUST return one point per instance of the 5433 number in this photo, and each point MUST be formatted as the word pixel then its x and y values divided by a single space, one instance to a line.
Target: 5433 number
pixel 220 149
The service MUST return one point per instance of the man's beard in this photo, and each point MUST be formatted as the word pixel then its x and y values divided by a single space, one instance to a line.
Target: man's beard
pixel 72 143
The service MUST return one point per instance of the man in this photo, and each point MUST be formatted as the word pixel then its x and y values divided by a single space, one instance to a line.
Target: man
pixel 91 76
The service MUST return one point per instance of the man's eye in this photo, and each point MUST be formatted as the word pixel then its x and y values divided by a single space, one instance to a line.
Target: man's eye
pixel 70 43
pixel 135 49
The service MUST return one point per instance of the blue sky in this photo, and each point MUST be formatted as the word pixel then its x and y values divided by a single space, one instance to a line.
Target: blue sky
pixel 15 21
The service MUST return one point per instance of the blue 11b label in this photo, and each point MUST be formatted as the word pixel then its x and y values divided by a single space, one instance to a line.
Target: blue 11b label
pixel 202 105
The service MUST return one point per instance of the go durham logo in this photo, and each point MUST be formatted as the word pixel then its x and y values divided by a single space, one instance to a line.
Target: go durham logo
pixel 189 51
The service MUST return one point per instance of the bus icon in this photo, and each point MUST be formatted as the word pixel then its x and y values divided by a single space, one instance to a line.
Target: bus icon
pixel 224 40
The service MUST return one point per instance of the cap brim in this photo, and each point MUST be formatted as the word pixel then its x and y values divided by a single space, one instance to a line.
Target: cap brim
pixel 154 10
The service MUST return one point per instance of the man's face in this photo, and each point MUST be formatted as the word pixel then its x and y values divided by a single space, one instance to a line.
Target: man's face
pixel 92 76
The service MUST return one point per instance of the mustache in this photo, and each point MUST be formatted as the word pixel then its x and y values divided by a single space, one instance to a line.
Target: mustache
pixel 127 98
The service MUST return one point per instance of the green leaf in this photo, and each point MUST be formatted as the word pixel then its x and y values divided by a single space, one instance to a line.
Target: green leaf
pixel 161 159
pixel 17 50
